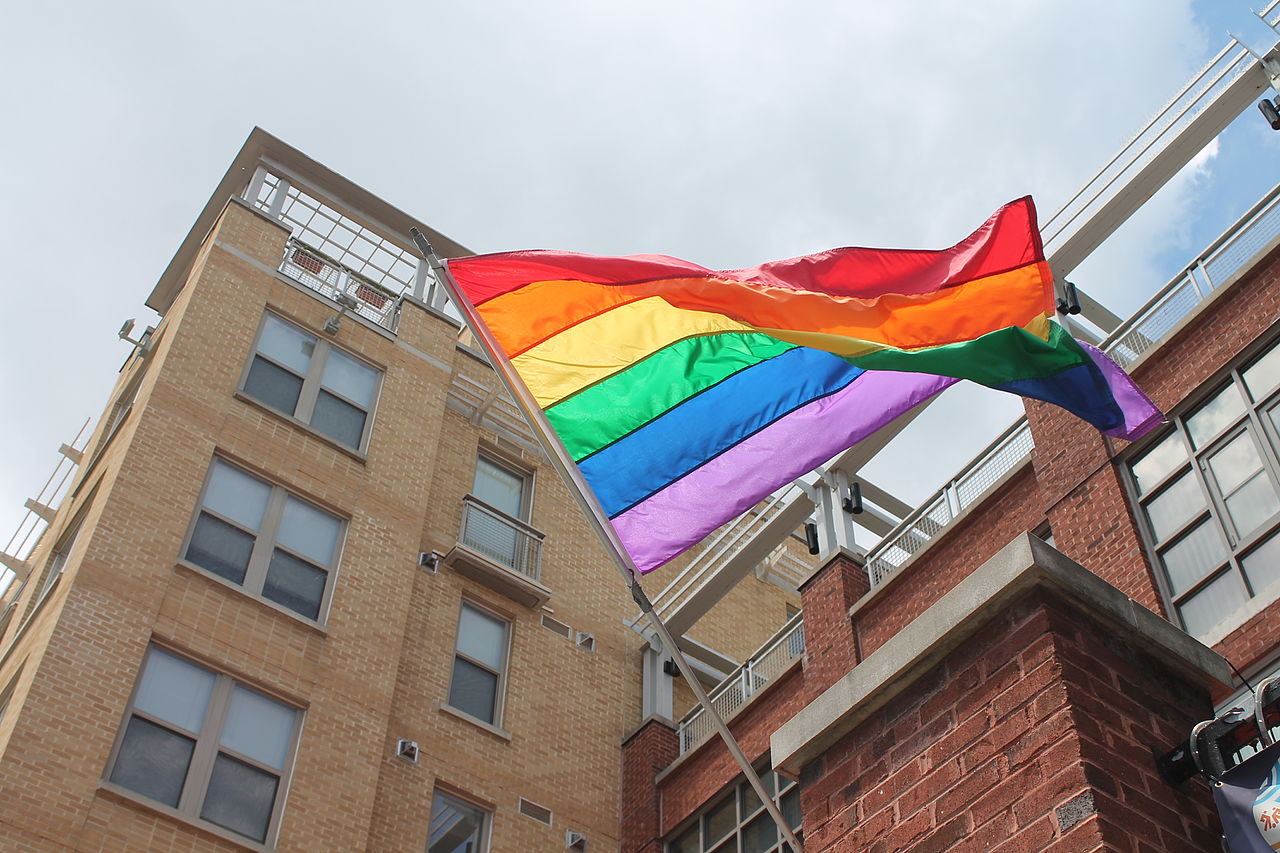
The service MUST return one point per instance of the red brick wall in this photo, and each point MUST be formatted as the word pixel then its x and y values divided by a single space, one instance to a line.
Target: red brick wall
pixel 1004 746
pixel 831 649
pixel 651 749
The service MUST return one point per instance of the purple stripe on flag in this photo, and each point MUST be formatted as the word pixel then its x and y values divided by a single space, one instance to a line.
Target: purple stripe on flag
pixel 672 520
pixel 1140 414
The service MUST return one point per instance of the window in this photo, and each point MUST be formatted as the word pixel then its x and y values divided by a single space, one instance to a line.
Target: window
pixel 206 745
pixel 479 664
pixel 456 826
pixel 301 375
pixel 270 542
pixel 58 559
pixel 1210 497
pixel 505 489
pixel 737 820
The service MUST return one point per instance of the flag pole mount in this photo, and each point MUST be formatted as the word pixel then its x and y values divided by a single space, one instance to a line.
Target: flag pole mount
pixel 586 499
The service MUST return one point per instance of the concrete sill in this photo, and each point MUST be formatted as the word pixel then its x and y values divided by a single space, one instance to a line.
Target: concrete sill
pixel 112 791
pixel 303 622
pixel 488 728
pixel 304 427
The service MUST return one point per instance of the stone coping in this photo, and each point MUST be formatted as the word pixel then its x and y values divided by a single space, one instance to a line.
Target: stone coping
pixel 1023 564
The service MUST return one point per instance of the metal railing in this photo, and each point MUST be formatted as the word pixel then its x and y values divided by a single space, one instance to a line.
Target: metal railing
pixel 773 658
pixel 915 531
pixel 306 266
pixel 1225 256
pixel 506 541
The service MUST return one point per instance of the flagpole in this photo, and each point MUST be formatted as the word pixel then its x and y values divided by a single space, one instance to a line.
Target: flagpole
pixel 588 502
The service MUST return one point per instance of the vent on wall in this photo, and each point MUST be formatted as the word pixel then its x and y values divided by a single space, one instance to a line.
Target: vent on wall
pixel 542 814
pixel 575 840
pixel 556 625
pixel 408 750
pixel 587 641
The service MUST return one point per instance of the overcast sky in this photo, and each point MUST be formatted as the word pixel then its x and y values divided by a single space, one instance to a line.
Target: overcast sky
pixel 728 133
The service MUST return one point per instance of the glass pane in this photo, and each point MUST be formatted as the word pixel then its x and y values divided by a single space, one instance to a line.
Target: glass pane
pixel 286 344
pixel 338 419
pixel 294 583
pixel 174 690
pixel 719 821
pixel 1175 506
pixel 1159 461
pixel 759 835
pixel 791 808
pixel 1262 565
pixel 1264 374
pixel 273 385
pixel 153 761
pixel 499 488
pixel 1235 463
pixel 350 377
pixel 1194 556
pixel 729 846
pixel 456 827
pixel 237 496
pixel 749 800
pixel 1252 504
pixel 309 531
pixel 258 727
pixel 482 637
pixel 1215 416
pixel 1212 604
pixel 473 690
pixel 686 842
pixel 240 797
pixel 220 548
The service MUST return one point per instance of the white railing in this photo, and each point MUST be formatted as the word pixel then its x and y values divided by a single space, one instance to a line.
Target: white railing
pixel 306 266
pixel 505 540
pixel 773 658
pixel 1225 256
pixel 915 531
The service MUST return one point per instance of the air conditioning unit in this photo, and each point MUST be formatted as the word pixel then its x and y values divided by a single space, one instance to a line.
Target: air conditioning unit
pixel 574 840
pixel 408 750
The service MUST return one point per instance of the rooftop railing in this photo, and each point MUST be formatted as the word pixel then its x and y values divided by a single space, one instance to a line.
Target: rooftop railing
pixel 330 278
pixel 773 659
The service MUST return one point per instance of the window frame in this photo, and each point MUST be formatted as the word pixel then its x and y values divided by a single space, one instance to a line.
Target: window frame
pixel 265 541
pixel 736 792
pixel 500 689
pixel 1253 422
pixel 452 796
pixel 525 475
pixel 206 748
pixel 304 409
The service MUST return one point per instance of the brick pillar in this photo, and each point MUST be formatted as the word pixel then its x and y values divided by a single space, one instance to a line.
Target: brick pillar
pixel 831 645
pixel 650 749
pixel 1085 502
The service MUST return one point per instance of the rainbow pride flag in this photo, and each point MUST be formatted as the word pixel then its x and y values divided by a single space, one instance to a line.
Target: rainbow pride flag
pixel 686 395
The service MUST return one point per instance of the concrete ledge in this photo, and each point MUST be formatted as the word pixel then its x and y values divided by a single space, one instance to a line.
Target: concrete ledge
pixel 1023 564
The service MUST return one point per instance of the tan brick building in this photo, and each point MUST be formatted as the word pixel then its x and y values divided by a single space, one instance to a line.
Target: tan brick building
pixel 311 586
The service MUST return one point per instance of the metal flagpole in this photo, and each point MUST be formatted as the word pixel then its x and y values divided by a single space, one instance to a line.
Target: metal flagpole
pixel 587 500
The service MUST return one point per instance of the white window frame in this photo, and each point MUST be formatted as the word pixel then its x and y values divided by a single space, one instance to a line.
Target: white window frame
pixel 207 747
pixel 1254 422
pixel 310 392
pixel 264 542
pixel 499 701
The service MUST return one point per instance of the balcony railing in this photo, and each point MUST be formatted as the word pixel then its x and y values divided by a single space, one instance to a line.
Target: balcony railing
pixel 306 266
pixel 497 536
pixel 773 658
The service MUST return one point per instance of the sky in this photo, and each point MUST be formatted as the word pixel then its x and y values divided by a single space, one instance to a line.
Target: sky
pixel 728 133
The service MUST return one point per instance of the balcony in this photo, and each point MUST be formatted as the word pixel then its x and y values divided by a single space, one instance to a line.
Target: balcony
pixel 499 551
pixel 773 659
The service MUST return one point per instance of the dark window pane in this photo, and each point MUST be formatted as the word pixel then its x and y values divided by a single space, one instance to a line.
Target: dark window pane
pixel 240 797
pixel 295 583
pixel 153 761
pixel 473 690
pixel 791 808
pixel 720 820
pixel 338 419
pixel 687 842
pixel 220 547
pixel 273 385
pixel 759 835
